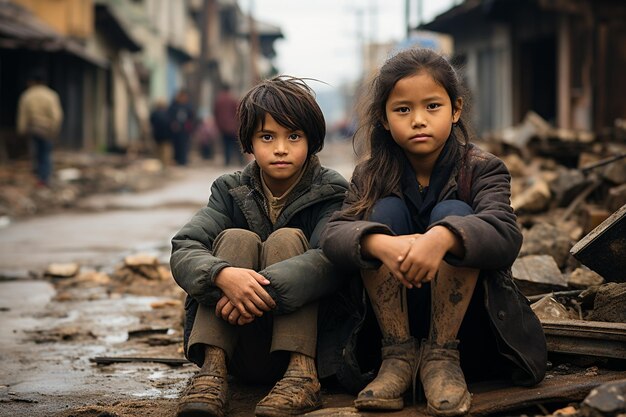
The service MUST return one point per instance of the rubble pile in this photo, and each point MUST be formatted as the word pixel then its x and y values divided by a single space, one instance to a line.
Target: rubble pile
pixel 565 183
pixel 569 192
pixel 76 175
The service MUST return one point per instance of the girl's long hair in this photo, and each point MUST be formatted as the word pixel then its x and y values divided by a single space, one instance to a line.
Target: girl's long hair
pixel 382 164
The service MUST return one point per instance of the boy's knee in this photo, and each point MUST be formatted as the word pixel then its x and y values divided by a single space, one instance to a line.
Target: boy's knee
pixel 287 235
pixel 283 244
pixel 239 247
pixel 238 237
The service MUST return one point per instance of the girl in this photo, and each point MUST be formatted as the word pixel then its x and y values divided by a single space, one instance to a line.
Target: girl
pixel 427 220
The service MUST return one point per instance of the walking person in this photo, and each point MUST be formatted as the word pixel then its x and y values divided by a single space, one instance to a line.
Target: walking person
pixel 182 124
pixel 428 223
pixel 161 132
pixel 250 261
pixel 39 116
pixel 225 112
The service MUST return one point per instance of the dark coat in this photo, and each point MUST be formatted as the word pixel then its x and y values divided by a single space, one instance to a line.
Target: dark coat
pixel 237 201
pixel 160 122
pixel 491 239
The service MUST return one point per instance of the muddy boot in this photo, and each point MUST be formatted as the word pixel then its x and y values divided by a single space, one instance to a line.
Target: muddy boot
pixel 394 378
pixel 207 393
pixel 291 396
pixel 204 397
pixel 443 381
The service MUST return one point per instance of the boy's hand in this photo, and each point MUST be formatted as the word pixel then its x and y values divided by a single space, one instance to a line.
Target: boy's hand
pixel 227 311
pixel 243 287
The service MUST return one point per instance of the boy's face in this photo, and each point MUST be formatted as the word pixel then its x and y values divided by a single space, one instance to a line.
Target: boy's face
pixel 280 152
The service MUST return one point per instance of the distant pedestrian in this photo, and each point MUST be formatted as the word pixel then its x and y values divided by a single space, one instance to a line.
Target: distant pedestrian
pixel 182 119
pixel 39 116
pixel 225 111
pixel 206 135
pixel 161 132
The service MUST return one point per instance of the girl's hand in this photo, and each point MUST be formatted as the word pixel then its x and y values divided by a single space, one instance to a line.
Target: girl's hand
pixel 421 262
pixel 244 289
pixel 390 250
pixel 227 311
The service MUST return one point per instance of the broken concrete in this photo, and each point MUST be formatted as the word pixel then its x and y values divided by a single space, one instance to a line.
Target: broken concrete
pixel 536 274
pixel 607 400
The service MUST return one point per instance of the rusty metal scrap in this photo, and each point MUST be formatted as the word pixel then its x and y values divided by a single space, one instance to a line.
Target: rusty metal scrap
pixel 589 338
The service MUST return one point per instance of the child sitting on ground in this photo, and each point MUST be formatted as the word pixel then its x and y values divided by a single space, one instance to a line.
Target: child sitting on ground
pixel 250 263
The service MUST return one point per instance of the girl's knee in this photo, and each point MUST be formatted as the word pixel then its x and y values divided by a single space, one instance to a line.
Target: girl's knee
pixel 449 208
pixel 393 212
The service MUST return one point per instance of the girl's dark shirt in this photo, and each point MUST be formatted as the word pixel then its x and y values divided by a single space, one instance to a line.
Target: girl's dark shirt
pixel 421 204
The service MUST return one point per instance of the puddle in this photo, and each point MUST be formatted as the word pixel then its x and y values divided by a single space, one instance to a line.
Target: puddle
pixel 37 362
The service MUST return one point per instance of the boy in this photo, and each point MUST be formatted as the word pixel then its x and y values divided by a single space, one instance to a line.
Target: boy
pixel 250 263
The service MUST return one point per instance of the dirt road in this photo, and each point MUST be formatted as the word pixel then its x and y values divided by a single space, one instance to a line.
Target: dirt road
pixel 52 329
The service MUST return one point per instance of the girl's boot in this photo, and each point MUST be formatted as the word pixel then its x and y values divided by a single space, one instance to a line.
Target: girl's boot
pixel 440 367
pixel 394 378
pixel 443 380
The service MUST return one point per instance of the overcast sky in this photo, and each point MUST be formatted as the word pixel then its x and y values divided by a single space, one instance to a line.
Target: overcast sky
pixel 322 37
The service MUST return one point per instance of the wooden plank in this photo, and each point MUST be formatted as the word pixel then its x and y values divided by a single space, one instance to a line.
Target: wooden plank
pixel 589 338
pixel 107 360
pixel 603 249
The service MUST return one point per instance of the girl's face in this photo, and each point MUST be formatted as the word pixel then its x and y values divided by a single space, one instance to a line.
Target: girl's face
pixel 419 116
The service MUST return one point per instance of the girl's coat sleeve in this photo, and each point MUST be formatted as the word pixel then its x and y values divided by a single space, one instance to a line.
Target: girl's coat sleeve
pixel 341 240
pixel 491 237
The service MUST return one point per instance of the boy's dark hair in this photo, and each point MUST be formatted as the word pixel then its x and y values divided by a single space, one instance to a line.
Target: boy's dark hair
pixel 384 161
pixel 291 102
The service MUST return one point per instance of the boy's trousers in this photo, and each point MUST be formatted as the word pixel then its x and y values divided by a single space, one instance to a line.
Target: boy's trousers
pixel 259 351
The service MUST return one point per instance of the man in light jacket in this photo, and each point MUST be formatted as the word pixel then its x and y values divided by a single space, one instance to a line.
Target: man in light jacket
pixel 39 116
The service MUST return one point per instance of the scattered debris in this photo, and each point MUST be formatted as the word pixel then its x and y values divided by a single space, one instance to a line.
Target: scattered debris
pixel 584 278
pixel 77 175
pixel 610 303
pixel 62 270
pixel 606 400
pixel 536 274
pixel 107 360
pixel 548 308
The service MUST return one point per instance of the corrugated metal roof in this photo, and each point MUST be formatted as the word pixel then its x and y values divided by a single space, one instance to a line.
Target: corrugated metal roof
pixel 19 28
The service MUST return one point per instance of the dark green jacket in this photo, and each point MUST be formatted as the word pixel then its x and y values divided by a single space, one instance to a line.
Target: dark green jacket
pixel 237 201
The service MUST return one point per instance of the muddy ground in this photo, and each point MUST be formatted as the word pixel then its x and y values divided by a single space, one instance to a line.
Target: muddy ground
pixel 53 329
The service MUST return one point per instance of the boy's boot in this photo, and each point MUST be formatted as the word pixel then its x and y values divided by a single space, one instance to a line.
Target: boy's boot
pixel 206 395
pixel 298 392
pixel 394 378
pixel 443 380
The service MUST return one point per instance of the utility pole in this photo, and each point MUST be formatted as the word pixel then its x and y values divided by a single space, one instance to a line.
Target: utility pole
pixel 207 75
pixel 420 12
pixel 407 17
pixel 254 46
